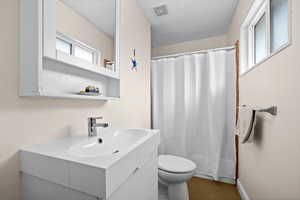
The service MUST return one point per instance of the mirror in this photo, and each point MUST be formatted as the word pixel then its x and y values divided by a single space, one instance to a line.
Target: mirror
pixel 85 33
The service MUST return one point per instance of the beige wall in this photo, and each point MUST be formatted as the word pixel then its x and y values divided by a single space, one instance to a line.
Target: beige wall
pixel 26 121
pixel 77 27
pixel 195 45
pixel 270 168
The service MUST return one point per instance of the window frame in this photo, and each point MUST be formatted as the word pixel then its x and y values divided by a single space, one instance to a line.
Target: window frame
pixel 247 38
pixel 76 43
pixel 251 33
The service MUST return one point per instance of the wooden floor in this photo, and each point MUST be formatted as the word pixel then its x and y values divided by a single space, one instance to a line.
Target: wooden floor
pixel 202 189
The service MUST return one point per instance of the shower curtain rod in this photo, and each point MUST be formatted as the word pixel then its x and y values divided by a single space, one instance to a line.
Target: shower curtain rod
pixel 193 52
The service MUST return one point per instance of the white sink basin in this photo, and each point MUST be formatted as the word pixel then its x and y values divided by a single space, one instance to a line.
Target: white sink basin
pixel 99 169
pixel 107 144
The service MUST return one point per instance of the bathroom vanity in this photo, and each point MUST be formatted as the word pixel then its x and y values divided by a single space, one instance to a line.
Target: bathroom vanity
pixel 120 164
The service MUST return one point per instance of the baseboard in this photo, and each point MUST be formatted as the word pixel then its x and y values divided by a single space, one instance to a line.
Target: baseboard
pixel 223 180
pixel 242 191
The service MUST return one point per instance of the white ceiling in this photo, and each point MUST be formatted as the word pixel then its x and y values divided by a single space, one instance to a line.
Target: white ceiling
pixel 99 12
pixel 188 19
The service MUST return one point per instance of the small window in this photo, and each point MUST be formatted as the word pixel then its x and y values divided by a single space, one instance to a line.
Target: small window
pixel 279 23
pixel 77 49
pixel 83 54
pixel 265 31
pixel 260 46
pixel 63 46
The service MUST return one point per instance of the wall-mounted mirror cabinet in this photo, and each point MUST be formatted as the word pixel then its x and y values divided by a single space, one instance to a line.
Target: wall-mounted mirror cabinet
pixel 68 45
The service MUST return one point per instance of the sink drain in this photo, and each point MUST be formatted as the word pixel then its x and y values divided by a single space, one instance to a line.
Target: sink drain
pixel 116 151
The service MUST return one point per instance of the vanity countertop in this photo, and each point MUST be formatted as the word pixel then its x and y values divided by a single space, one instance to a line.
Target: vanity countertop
pixel 60 149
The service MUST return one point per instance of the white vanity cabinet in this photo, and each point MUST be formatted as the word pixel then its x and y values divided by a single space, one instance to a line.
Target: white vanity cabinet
pixel 49 172
pixel 141 185
pixel 46 72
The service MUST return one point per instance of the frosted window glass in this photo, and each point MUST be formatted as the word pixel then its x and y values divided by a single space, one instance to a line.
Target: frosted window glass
pixel 279 23
pixel 63 46
pixel 260 39
pixel 83 54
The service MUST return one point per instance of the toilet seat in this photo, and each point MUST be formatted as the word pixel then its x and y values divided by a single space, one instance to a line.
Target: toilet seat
pixel 175 164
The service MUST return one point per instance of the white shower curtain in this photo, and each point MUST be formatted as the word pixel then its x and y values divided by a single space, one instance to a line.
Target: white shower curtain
pixel 193 104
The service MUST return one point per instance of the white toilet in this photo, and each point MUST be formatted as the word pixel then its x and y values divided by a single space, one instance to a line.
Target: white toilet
pixel 174 172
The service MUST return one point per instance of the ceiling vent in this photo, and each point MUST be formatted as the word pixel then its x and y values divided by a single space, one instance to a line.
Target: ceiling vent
pixel 161 10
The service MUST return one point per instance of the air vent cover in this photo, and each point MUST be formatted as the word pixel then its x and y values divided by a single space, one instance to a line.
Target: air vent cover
pixel 161 10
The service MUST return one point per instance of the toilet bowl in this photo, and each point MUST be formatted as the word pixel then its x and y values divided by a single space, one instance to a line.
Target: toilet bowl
pixel 174 172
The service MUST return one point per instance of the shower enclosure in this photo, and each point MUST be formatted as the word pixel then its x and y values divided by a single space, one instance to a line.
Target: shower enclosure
pixel 194 106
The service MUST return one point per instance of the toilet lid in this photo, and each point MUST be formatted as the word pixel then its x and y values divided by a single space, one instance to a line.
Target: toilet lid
pixel 175 164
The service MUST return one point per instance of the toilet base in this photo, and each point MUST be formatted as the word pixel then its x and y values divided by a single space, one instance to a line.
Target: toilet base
pixel 178 191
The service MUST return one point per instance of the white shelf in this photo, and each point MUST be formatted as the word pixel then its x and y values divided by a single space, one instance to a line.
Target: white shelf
pixel 91 71
pixel 72 96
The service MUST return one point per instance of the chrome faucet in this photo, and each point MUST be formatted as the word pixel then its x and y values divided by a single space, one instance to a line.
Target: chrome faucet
pixel 92 125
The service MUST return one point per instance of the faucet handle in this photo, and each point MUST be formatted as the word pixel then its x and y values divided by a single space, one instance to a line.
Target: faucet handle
pixel 92 121
pixel 94 118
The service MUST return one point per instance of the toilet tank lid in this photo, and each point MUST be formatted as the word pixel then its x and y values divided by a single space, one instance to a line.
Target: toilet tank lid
pixel 175 164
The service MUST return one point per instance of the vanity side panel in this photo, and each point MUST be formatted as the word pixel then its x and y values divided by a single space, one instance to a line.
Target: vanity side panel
pixel 119 173
pixel 31 46
pixel 43 167
pixel 146 150
pixel 89 180
pixel 142 185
